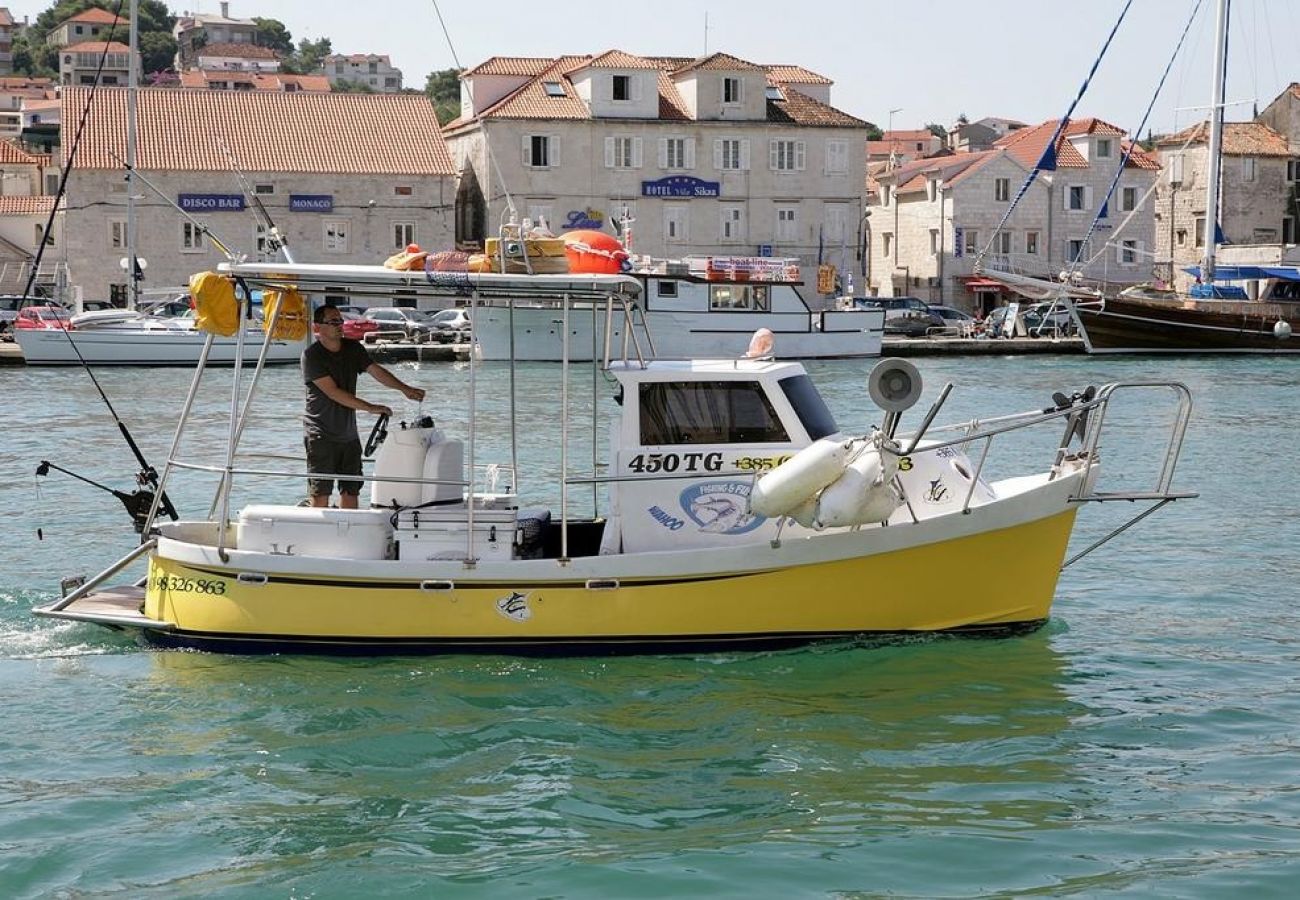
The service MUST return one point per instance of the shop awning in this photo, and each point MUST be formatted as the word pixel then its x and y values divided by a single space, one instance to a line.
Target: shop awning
pixel 976 283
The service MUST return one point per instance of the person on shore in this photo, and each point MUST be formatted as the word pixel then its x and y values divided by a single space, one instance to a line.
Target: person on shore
pixel 330 367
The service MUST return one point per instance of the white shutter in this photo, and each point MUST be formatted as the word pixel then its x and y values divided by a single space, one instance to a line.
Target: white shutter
pixel 636 87
pixel 1065 195
pixel 609 153
pixel 553 151
pixel 636 153
pixel 717 154
pixel 690 153
pixel 663 153
pixel 1119 252
pixel 773 154
pixel 800 155
pixel 744 155
pixel 528 149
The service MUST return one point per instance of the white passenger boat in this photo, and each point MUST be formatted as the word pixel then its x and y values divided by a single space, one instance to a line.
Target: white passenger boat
pixel 700 308
pixel 728 510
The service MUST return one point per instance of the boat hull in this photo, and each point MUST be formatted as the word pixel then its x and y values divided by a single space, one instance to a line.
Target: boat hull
pixel 158 347
pixel 1003 578
pixel 1126 325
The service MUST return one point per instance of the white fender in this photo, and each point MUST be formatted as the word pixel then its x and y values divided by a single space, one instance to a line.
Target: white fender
pixel 401 455
pixel 799 477
pixel 863 495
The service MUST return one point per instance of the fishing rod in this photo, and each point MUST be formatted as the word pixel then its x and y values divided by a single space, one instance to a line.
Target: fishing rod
pixel 276 237
pixel 226 251
pixel 147 475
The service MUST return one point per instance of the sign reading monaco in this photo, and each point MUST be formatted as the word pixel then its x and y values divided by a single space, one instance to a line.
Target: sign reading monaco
pixel 681 186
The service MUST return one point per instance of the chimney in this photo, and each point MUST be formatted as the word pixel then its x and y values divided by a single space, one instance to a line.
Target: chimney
pixel 225 9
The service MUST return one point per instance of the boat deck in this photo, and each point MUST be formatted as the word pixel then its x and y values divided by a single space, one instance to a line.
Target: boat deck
pixel 121 605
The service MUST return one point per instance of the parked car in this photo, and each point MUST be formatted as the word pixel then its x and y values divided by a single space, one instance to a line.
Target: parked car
pixel 905 316
pixel 32 317
pixel 955 321
pixel 450 325
pixel 1039 319
pixel 12 304
pixel 413 323
pixel 356 327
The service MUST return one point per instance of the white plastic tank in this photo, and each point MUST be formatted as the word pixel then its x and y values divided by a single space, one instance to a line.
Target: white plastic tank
pixel 401 455
pixel 444 462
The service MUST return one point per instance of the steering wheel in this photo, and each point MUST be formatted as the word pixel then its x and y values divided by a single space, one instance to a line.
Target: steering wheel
pixel 377 435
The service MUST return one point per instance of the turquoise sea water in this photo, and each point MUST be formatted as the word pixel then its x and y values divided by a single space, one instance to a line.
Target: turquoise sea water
pixel 1146 741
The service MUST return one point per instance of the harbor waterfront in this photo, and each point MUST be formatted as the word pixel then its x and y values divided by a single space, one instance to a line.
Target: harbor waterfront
pixel 1144 740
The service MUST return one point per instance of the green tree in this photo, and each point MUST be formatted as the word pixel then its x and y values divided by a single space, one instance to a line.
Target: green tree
pixel 308 58
pixel 443 90
pixel 874 133
pixel 32 56
pixel 157 51
pixel 272 33
pixel 937 130
pixel 351 87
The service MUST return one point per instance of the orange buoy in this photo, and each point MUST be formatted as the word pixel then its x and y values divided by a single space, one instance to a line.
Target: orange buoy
pixel 594 252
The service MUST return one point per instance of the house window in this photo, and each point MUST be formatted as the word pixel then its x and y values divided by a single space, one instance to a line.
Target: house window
pixel 1004 242
pixel 117 235
pixel 1103 148
pixel 1076 197
pixel 403 190
pixel 1293 170
pixel 837 157
pixel 622 87
pixel 1182 237
pixel 263 189
pixel 553 88
pixel 192 238
pixel 747 297
pixel 673 155
pixel 934 241
pixel 972 242
pixel 1002 189
pixel 541 151
pixel 787 156
pixel 1128 252
pixel 733 223
pixel 787 223
pixel 1127 199
pixel 834 217
pixel 403 235
pixel 1198 232
pixel 731 154
pixel 886 242
pixel 731 90
pixel 1031 243
pixel 774 93
pixel 335 233
pixel 676 217
pixel 622 153
pixel 1073 251
pixel 1248 168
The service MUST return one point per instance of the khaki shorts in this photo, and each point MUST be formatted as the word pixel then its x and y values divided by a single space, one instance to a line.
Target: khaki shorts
pixel 335 458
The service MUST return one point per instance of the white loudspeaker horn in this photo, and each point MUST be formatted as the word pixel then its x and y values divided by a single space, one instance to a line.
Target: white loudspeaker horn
pixel 894 385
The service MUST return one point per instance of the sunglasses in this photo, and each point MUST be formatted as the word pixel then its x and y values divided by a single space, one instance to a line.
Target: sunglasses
pixel 331 321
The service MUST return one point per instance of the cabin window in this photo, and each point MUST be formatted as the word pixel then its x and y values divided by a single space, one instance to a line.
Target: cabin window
pixel 809 406
pixel 708 412
pixel 666 289
pixel 739 297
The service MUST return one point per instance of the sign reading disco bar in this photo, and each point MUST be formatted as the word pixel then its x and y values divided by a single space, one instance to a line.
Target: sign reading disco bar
pixel 210 202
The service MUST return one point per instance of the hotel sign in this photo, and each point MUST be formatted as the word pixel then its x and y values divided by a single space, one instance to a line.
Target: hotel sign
pixel 319 203
pixel 681 186
pixel 210 202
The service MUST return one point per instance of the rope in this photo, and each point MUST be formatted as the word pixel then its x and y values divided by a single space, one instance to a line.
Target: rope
pixel 1048 160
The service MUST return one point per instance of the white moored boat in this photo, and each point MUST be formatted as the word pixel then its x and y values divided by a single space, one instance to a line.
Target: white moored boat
pixel 700 308
pixel 730 510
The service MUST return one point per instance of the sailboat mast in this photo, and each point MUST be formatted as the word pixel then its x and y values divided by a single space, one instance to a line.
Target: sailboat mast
pixel 1216 140
pixel 132 87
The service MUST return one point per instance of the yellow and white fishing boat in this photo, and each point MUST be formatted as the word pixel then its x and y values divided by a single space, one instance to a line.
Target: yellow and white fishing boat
pixel 735 513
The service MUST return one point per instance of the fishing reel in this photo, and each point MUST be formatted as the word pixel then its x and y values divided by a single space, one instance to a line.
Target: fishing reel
pixel 137 503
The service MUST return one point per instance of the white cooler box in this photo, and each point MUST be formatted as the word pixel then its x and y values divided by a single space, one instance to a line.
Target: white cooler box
pixel 307 531
pixel 442 533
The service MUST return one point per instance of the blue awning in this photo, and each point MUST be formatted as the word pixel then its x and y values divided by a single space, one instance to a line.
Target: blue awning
pixel 1244 273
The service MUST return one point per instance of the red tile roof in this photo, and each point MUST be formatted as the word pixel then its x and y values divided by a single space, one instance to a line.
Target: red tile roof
pixel 1239 139
pixel 617 59
pixel 720 62
pixel 12 155
pixel 26 206
pixel 795 75
pixel 800 109
pixel 523 66
pixel 266 131
pixel 239 50
pixel 358 57
pixel 911 177
pixel 1026 145
pixel 261 81
pixel 98 47
pixel 923 135
pixel 95 16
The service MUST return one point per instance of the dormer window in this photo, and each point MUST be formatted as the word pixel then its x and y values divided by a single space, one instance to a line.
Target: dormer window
pixel 1103 148
pixel 731 90
pixel 622 87
pixel 553 88
pixel 774 93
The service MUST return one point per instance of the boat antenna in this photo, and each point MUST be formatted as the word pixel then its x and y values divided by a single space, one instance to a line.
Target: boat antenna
pixel 276 238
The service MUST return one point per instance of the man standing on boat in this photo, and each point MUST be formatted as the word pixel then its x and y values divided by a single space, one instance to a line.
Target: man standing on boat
pixel 330 367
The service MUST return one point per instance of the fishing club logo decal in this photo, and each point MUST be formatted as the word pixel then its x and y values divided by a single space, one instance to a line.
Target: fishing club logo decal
pixel 720 507
pixel 515 607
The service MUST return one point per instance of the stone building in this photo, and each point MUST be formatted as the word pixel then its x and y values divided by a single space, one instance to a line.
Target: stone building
pixel 80 63
pixel 193 31
pixel 6 41
pixel 16 92
pixel 715 155
pixel 92 24
pixel 1257 187
pixel 349 178
pixel 937 215
pixel 370 70
pixel 23 221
